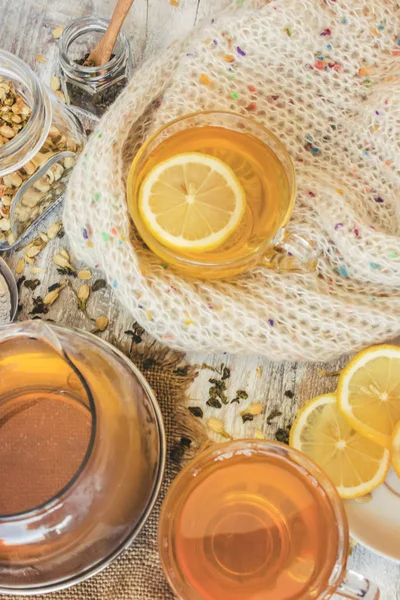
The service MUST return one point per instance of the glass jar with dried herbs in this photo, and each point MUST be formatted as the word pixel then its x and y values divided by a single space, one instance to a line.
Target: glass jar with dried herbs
pixel 87 86
pixel 39 142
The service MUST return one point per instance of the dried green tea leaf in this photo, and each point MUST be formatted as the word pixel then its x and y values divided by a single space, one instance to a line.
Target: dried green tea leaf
pixel 196 411
pixel 247 417
pixel 214 403
pixel 31 284
pixel 226 373
pixel 99 284
pixel 273 415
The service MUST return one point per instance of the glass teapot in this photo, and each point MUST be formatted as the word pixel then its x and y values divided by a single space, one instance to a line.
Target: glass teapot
pixel 82 455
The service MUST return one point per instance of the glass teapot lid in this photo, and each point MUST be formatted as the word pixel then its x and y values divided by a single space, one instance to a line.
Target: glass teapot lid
pixel 82 454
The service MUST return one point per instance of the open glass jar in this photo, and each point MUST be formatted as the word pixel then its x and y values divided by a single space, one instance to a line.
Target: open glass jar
pixel 37 151
pixel 87 87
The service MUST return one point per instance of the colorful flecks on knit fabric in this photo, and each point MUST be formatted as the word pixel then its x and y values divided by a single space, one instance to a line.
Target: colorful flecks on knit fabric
pixel 343 271
pixel 205 80
pixel 325 64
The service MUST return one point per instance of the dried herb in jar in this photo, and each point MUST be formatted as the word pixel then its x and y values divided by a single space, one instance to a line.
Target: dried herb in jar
pixel 91 99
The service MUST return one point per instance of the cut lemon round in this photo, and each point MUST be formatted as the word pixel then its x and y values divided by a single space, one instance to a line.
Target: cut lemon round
pixel 192 202
pixel 354 463
pixel 396 449
pixel 369 392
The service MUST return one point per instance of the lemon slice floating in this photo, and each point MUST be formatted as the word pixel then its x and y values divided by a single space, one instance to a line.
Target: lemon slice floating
pixel 192 202
pixel 369 392
pixel 354 463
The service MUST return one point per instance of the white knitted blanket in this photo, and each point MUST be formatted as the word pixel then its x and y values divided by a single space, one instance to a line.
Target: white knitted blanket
pixel 324 76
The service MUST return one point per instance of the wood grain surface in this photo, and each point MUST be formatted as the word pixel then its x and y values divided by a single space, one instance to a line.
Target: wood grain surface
pixel 25 29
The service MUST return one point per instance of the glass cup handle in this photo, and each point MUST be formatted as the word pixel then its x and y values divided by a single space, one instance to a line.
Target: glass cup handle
pixel 355 586
pixel 291 252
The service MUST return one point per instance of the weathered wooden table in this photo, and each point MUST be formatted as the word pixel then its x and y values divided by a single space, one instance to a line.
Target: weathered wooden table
pixel 25 29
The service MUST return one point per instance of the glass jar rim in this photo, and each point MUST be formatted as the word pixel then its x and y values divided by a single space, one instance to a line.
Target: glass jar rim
pixel 22 147
pixel 80 27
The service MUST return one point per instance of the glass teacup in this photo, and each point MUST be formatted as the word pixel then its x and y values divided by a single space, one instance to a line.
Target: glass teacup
pixel 266 174
pixel 256 520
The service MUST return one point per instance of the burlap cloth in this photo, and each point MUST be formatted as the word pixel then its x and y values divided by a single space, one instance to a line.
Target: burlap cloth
pixel 137 574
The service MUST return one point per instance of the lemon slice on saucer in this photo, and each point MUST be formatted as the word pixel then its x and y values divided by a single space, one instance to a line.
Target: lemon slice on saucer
pixel 369 392
pixel 396 449
pixel 355 464
pixel 192 202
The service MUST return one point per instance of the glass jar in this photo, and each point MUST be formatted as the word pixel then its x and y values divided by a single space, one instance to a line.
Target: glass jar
pixel 82 456
pixel 92 88
pixel 35 162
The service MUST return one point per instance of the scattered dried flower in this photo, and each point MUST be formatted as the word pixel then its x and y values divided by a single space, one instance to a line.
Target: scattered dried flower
pixel 40 58
pixel 55 83
pixel 259 371
pixel 37 270
pixel 258 434
pixel 60 94
pixel 251 411
pixel 217 427
pixel 20 266
pixel 53 230
pixel 83 295
pixel 29 260
pixel 101 324
pixel 52 296
pixel 64 253
pixel 56 33
pixel 33 251
pixel 85 274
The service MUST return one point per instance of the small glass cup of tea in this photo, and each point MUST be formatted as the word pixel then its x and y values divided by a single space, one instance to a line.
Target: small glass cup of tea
pixel 254 519
pixel 187 199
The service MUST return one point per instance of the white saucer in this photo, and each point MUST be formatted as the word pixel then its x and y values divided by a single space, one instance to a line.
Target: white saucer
pixel 376 524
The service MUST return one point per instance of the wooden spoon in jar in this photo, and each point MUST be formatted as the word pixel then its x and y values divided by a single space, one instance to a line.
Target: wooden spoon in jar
pixel 102 52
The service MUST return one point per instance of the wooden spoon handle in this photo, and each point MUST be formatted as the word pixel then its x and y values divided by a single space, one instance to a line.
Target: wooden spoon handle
pixel 102 52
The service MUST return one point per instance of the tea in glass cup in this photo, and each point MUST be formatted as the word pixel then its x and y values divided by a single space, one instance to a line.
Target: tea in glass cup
pixel 211 194
pixel 256 520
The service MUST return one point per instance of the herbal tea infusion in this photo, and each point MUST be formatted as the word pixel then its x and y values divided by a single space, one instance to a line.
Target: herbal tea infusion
pixel 249 526
pixel 211 194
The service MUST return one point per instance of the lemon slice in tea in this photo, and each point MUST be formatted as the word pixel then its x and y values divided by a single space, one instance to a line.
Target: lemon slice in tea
pixel 192 202
pixel 355 464
pixel 369 392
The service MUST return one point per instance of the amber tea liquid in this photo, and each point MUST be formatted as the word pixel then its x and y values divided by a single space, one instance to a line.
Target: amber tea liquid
pixel 45 425
pixel 251 528
pixel 259 170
